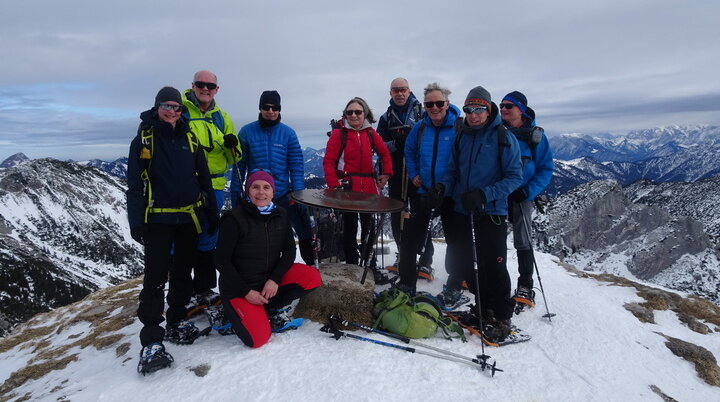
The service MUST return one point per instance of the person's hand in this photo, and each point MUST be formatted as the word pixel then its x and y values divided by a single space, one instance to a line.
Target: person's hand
pixel 138 234
pixel 230 141
pixel 269 290
pixel 473 200
pixel 519 195
pixel 416 181
pixel 382 180
pixel 435 195
pixel 254 297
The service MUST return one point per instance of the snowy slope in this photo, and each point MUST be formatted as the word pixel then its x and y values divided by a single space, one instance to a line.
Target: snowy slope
pixel 594 349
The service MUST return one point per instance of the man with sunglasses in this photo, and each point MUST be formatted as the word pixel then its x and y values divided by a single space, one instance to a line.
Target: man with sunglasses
pixel 538 166
pixel 270 145
pixel 393 126
pixel 215 132
pixel 483 170
pixel 427 150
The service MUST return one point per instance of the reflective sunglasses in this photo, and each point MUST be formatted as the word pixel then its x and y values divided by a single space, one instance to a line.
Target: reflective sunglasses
pixel 439 104
pixel 270 107
pixel 202 85
pixel 474 109
pixel 399 90
pixel 350 112
pixel 167 106
pixel 507 106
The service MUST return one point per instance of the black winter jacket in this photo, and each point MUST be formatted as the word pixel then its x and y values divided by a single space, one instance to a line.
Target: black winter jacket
pixel 252 248
pixel 177 174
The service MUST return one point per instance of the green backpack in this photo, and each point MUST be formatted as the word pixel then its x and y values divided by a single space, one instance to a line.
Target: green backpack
pixel 413 317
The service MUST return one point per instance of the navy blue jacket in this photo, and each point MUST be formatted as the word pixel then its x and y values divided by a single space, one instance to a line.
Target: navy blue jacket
pixel 476 164
pixel 177 175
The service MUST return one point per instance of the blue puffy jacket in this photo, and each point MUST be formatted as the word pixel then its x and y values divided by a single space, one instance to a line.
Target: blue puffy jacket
pixel 429 158
pixel 275 148
pixel 538 166
pixel 477 164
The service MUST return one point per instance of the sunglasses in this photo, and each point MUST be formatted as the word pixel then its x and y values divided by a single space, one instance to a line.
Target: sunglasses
pixel 506 106
pixel 356 112
pixel 474 109
pixel 439 104
pixel 270 107
pixel 202 85
pixel 167 106
pixel 399 90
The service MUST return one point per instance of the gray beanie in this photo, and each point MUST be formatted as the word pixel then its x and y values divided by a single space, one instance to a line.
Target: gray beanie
pixel 168 94
pixel 478 96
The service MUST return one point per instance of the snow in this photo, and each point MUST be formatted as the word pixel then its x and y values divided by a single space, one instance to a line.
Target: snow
pixel 593 350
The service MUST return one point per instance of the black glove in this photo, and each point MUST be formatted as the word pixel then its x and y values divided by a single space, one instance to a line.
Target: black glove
pixel 472 200
pixel 230 141
pixel 213 223
pixel 138 234
pixel 435 195
pixel 518 195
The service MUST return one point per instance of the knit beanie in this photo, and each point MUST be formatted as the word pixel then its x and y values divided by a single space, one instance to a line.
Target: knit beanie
pixel 270 98
pixel 518 99
pixel 478 96
pixel 259 175
pixel 168 94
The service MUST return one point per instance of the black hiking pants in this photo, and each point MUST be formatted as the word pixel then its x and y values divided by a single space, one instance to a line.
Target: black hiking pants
pixel 158 265
pixel 491 247
pixel 350 228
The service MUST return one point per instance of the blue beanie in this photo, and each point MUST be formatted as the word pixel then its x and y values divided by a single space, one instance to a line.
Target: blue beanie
pixel 518 99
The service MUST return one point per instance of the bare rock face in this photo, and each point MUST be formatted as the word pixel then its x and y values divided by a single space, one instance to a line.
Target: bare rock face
pixel 598 228
pixel 341 294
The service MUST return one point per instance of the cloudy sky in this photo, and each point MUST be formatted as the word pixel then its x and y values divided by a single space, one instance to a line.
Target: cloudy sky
pixel 76 74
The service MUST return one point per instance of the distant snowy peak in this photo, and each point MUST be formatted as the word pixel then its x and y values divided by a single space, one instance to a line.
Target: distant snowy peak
pixel 14 160
pixel 117 168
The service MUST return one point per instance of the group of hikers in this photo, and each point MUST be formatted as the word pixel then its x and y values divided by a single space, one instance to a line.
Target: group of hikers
pixel 473 167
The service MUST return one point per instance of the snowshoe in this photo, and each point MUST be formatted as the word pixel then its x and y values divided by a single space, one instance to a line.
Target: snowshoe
pixel 202 301
pixel 450 299
pixel 184 332
pixel 153 357
pixel 525 296
pixel 295 323
pixel 426 272
pixel 217 320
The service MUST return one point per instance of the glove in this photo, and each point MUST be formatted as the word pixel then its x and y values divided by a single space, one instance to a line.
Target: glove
pixel 138 234
pixel 473 200
pixel 230 141
pixel 435 195
pixel 518 195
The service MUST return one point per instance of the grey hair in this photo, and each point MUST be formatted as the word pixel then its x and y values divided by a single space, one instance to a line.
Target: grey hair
pixel 434 86
pixel 366 109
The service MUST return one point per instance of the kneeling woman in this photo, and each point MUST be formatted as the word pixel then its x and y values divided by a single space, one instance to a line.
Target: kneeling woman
pixel 255 256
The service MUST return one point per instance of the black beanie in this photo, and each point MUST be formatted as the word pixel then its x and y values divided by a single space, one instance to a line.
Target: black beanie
pixel 270 98
pixel 168 94
pixel 518 99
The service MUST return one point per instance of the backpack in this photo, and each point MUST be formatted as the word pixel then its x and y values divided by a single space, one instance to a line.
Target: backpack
pixel 216 119
pixel 530 135
pixel 412 317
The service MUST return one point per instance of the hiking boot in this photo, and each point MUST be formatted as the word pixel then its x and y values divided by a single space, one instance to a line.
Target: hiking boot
pixel 153 357
pixel 182 332
pixel 449 297
pixel 525 296
pixel 383 277
pixel 208 298
pixel 217 320
pixel 279 318
pixel 426 272
pixel 495 331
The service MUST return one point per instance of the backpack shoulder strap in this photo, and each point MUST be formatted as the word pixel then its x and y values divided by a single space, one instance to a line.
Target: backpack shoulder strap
pixel 218 120
pixel 502 140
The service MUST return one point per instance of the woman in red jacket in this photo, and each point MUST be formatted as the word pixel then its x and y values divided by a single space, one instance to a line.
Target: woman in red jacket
pixel 349 157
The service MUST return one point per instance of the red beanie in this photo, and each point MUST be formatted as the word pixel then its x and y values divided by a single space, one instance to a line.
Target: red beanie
pixel 259 175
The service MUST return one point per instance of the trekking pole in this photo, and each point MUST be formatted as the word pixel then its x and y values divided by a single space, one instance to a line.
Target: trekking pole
pixel 314 230
pixel 477 285
pixel 548 315
pixel 409 341
pixel 241 194
pixel 337 334
pixel 366 250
